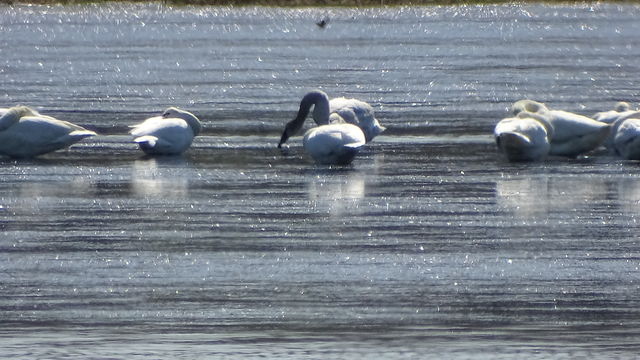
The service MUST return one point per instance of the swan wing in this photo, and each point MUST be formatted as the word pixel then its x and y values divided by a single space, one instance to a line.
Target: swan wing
pixel 569 125
pixel 160 135
pixel 627 139
pixel 36 135
pixel 356 112
pixel 334 143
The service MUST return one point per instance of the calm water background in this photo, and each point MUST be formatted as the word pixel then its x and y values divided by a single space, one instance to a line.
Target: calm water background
pixel 429 244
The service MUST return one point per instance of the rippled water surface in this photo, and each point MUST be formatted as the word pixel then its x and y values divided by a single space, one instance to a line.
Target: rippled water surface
pixel 429 244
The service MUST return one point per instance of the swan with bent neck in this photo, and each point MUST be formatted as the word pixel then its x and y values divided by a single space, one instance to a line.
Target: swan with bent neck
pixel 626 140
pixel 615 117
pixel 524 137
pixel 573 134
pixel 168 134
pixel 25 133
pixel 334 111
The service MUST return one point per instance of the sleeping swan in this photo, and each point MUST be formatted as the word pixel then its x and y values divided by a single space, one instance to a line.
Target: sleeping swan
pixel 168 134
pixel 24 133
pixel 621 112
pixel 336 111
pixel 334 143
pixel 573 134
pixel 524 137
pixel 626 140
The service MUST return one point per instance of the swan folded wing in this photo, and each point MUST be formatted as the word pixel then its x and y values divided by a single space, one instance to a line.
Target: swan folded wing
pixel 356 112
pixel 353 111
pixel 33 136
pixel 146 126
pixel 163 135
pixel 627 139
pixel 568 125
pixel 334 144
pixel 148 140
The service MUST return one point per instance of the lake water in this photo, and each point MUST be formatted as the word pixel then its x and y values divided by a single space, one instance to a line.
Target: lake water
pixel 428 245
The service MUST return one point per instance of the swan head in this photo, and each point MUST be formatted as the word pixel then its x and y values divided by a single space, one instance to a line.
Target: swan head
pixel 372 130
pixel 191 119
pixel 291 129
pixel 622 106
pixel 13 115
pixel 320 102
pixel 529 106
pixel 540 118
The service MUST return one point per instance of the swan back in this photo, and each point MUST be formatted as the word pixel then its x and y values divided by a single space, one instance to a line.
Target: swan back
pixel 356 112
pixel 334 143
pixel 32 134
pixel 168 134
pixel 193 122
pixel 575 134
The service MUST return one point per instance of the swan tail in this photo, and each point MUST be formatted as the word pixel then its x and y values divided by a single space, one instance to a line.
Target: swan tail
pixel 353 145
pixel 82 133
pixel 146 141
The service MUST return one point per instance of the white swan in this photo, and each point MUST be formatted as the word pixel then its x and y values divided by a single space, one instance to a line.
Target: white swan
pixel 573 134
pixel 626 141
pixel 168 134
pixel 524 138
pixel 621 112
pixel 25 133
pixel 336 111
pixel 334 143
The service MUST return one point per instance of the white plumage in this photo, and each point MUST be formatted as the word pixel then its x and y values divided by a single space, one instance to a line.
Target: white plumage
pixel 336 111
pixel 626 140
pixel 573 134
pixel 25 133
pixel 168 134
pixel 523 138
pixel 621 112
pixel 334 143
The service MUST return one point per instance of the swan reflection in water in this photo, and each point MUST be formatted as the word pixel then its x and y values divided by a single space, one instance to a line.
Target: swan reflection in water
pixel 161 177
pixel 628 190
pixel 540 197
pixel 36 197
pixel 336 193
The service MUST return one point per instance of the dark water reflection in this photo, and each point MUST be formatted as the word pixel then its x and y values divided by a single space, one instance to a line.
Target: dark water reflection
pixel 429 244
pixel 213 254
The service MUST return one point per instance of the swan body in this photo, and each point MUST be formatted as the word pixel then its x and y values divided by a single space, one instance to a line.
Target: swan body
pixel 24 133
pixel 626 141
pixel 334 143
pixel 573 134
pixel 523 138
pixel 335 111
pixel 621 112
pixel 168 134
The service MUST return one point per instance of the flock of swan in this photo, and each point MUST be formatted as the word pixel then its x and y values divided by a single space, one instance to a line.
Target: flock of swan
pixel 536 132
pixel 344 126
